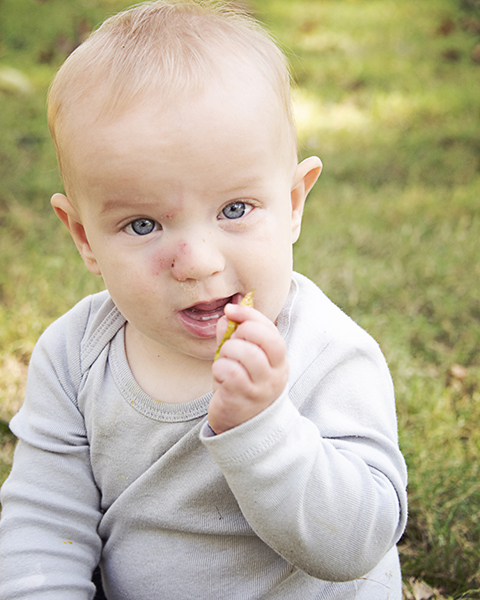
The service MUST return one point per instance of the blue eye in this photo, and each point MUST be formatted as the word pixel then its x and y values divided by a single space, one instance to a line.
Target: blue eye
pixel 235 210
pixel 141 226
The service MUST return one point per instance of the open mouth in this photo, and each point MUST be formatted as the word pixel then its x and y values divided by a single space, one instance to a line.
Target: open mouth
pixel 207 311
pixel 201 319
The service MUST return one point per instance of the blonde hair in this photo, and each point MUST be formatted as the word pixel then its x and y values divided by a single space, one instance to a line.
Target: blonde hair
pixel 166 46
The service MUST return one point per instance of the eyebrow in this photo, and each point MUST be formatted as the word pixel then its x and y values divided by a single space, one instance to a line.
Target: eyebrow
pixel 118 204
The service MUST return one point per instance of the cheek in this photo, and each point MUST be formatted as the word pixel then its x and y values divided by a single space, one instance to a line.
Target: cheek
pixel 162 261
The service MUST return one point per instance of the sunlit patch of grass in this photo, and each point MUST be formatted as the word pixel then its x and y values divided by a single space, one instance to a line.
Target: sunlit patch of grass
pixel 314 119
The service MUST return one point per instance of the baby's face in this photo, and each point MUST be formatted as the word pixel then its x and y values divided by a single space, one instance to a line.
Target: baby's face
pixel 186 210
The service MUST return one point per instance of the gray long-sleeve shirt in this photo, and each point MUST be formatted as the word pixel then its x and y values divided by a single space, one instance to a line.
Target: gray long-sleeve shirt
pixel 306 500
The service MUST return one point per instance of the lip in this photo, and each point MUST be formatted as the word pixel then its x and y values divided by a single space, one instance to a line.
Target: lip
pixel 201 319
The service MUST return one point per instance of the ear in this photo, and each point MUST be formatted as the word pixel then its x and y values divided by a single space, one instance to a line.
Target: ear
pixel 306 175
pixel 70 217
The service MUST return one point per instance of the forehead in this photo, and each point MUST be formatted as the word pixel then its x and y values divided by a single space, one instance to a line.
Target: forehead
pixel 235 114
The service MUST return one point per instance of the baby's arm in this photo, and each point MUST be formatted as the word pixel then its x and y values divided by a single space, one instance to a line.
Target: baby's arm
pixel 326 492
pixel 48 530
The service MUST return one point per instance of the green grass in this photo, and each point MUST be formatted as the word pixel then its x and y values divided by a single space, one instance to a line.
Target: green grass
pixel 387 95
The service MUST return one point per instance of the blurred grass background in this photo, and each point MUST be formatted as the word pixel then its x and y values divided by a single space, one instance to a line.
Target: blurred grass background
pixel 388 95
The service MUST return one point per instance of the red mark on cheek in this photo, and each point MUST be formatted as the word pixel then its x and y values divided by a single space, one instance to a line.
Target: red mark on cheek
pixel 161 263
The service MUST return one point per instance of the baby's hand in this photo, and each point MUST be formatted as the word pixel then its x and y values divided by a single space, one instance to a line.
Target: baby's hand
pixel 251 372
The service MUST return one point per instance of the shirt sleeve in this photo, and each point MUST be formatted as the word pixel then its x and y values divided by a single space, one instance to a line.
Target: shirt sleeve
pixel 49 544
pixel 318 475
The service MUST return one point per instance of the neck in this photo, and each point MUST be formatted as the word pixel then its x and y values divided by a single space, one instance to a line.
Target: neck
pixel 166 377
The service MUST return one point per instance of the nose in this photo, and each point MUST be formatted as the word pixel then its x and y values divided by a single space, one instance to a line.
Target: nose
pixel 196 259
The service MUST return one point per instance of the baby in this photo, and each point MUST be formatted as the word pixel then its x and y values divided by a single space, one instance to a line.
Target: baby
pixel 271 473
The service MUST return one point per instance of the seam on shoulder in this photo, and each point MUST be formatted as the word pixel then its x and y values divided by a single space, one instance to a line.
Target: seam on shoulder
pixel 110 321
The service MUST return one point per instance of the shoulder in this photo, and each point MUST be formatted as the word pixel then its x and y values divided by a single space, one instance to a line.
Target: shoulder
pixel 59 361
pixel 315 317
pixel 323 340
pixel 74 340
pixel 331 355
pixel 77 324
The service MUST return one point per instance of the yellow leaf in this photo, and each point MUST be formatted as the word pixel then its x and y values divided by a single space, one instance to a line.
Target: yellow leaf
pixel 232 325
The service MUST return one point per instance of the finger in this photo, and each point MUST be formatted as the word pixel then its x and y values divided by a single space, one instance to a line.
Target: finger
pixel 266 337
pixel 232 377
pixel 251 356
pixel 240 313
pixel 250 328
